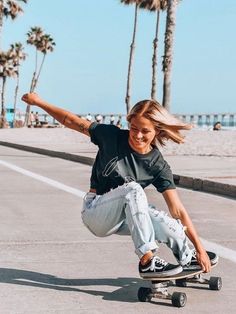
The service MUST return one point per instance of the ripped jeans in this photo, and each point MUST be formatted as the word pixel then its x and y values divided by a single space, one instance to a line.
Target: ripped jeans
pixel 125 211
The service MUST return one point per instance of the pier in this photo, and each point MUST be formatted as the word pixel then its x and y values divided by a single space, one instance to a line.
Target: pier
pixel 198 119
pixel 208 119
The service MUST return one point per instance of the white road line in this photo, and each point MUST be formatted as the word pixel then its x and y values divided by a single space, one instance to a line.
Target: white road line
pixel 46 180
pixel 220 250
pixel 211 246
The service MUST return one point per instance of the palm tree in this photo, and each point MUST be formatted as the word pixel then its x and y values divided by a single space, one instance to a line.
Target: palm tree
pixel 7 69
pixel 43 43
pixel 45 46
pixel 9 8
pixel 18 55
pixel 168 54
pixel 34 37
pixel 131 56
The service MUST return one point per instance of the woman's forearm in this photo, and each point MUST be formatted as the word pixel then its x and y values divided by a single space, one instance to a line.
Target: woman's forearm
pixel 57 113
pixel 191 231
pixel 178 211
pixel 65 117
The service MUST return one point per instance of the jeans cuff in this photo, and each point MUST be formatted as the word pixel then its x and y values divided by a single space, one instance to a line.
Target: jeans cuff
pixel 187 258
pixel 143 249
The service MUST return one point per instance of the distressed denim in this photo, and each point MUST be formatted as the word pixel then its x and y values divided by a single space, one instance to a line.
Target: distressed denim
pixel 125 211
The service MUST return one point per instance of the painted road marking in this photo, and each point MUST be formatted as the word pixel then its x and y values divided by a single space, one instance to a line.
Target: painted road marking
pixel 43 179
pixel 220 250
pixel 211 246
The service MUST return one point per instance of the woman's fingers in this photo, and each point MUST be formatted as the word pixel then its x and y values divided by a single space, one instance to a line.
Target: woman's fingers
pixel 204 262
pixel 29 98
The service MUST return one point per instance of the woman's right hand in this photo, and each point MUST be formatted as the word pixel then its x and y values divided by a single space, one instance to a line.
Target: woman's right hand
pixel 31 98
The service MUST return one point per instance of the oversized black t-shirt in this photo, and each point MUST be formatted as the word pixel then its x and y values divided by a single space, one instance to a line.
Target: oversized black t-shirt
pixel 116 162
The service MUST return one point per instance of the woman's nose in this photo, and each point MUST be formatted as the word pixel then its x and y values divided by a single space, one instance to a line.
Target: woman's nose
pixel 139 134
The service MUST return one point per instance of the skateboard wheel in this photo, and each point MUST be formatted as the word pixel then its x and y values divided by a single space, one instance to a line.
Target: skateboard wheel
pixel 144 294
pixel 215 283
pixel 181 282
pixel 178 299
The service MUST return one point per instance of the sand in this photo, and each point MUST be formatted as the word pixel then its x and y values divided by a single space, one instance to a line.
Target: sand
pixel 197 142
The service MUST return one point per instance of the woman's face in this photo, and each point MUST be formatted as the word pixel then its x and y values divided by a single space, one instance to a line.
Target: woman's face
pixel 141 134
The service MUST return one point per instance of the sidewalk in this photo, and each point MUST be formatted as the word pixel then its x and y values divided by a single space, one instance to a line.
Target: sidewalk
pixel 210 170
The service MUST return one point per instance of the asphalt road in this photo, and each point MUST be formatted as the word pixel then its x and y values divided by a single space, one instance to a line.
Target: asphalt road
pixel 50 263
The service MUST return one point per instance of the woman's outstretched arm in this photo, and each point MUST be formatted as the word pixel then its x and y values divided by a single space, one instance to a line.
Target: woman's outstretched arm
pixel 66 118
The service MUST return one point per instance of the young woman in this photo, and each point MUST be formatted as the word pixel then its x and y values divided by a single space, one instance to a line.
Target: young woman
pixel 126 163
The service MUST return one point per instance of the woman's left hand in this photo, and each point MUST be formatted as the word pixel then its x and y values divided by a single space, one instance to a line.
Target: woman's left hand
pixel 31 98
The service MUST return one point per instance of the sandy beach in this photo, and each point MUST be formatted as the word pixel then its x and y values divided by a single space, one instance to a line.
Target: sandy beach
pixel 197 142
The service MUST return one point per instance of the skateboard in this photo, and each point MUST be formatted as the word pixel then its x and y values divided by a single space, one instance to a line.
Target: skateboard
pixel 159 286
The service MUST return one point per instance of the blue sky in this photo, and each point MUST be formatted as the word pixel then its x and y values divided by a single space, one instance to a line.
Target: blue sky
pixel 87 71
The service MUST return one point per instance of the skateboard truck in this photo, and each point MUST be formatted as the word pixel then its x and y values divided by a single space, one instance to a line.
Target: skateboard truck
pixel 159 288
pixel 215 283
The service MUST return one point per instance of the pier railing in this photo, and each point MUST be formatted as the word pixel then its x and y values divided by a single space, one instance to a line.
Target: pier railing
pixel 199 119
pixel 208 119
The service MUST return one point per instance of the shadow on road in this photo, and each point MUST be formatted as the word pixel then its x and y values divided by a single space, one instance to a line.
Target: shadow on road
pixel 127 291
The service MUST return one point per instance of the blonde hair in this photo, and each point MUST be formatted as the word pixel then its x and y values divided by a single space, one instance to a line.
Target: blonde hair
pixel 167 126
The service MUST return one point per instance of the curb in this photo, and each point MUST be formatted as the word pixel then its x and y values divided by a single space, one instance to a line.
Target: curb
pixel 207 186
pixel 52 153
pixel 195 184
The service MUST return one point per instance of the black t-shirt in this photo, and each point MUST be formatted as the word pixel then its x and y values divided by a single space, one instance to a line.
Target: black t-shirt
pixel 116 162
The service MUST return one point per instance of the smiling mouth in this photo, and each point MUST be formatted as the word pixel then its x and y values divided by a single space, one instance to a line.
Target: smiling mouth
pixel 138 141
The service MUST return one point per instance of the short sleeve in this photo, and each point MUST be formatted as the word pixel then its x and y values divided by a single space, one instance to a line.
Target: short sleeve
pixel 164 180
pixel 101 133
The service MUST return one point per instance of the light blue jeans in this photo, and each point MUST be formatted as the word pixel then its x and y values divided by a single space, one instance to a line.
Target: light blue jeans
pixel 125 211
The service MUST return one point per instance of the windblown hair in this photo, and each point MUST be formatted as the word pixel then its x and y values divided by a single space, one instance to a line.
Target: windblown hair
pixel 167 126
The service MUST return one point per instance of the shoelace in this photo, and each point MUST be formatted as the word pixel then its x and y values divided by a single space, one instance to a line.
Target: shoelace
pixel 158 260
pixel 194 255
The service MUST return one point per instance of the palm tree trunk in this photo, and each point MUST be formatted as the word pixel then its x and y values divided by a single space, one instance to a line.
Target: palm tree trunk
pixel 154 59
pixel 27 112
pixel 1 24
pixel 3 109
pixel 15 97
pixel 131 58
pixel 39 72
pixel 35 70
pixel 168 56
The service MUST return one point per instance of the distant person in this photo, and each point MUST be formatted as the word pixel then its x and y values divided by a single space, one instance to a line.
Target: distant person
pixel 118 123
pixel 126 163
pixel 31 119
pixel 89 117
pixel 112 119
pixel 99 118
pixel 36 117
pixel 217 126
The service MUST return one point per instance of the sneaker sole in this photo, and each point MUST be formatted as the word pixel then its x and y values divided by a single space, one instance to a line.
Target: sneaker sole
pixel 162 274
pixel 214 262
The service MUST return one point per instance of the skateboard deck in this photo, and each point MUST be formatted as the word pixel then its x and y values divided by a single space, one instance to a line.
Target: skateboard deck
pixel 182 275
pixel 159 286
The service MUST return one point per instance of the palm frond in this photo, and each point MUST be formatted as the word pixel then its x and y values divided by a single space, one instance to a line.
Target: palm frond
pixel 128 2
pixel 46 44
pixel 153 5
pixel 7 68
